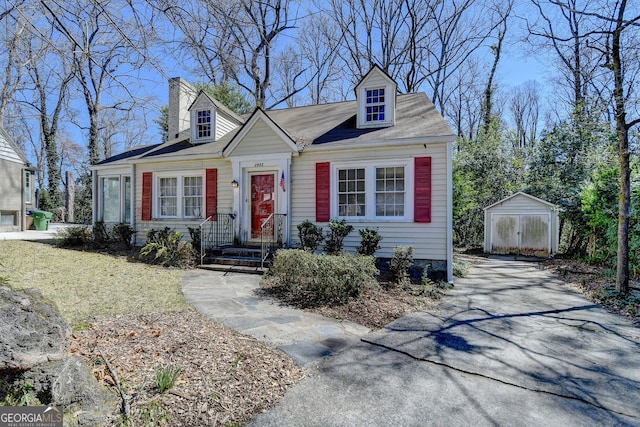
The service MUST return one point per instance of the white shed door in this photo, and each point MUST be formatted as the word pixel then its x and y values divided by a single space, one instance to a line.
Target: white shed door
pixel 526 234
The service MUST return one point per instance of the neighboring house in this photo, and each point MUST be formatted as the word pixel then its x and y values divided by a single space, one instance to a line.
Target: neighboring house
pixel 522 224
pixel 381 161
pixel 17 195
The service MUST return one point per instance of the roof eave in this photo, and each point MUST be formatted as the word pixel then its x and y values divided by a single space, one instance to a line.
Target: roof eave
pixel 351 144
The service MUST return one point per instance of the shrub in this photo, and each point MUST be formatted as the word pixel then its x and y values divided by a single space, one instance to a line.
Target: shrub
pixel 369 241
pixel 310 236
pixel 100 234
pixel 460 268
pixel 338 230
pixel 400 262
pixel 431 289
pixel 194 233
pixel 125 234
pixel 74 236
pixel 167 248
pixel 312 280
pixel 166 377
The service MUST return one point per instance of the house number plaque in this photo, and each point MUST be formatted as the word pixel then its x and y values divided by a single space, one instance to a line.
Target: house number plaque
pixel 259 165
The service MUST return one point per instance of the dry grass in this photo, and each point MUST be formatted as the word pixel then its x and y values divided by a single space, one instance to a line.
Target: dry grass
pixel 87 284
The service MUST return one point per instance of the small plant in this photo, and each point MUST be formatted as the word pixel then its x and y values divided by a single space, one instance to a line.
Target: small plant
pixel 460 268
pixel 338 230
pixel 400 262
pixel 21 395
pixel 431 289
pixel 194 233
pixel 100 234
pixel 125 234
pixel 310 236
pixel 167 248
pixel 166 377
pixel 369 241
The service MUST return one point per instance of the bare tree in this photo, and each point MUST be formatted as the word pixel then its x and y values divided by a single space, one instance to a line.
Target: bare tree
pixel 106 55
pixel 524 108
pixel 14 57
pixel 50 88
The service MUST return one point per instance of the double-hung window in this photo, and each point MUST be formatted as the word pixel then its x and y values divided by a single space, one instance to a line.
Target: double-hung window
pixel 115 199
pixel 372 192
pixel 27 187
pixel 180 196
pixel 203 124
pixel 374 105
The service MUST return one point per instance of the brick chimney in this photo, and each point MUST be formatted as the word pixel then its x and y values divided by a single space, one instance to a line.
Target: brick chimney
pixel 181 95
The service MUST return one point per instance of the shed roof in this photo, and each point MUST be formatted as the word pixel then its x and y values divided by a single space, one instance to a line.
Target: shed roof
pixel 520 193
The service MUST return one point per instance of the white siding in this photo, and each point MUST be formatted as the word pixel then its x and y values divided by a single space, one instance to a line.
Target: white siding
pixel 7 152
pixel 225 194
pixel 224 125
pixel 11 192
pixel 428 239
pixel 261 139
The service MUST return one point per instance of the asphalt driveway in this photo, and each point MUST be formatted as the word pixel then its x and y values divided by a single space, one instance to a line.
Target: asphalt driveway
pixel 509 346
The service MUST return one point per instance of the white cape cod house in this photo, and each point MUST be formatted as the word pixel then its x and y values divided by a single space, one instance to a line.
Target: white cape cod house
pixel 381 161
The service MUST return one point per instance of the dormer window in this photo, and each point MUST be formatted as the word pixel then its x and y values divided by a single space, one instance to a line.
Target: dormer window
pixel 376 99
pixel 203 124
pixel 375 105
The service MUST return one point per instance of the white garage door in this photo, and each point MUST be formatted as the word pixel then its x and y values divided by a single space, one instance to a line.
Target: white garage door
pixel 525 234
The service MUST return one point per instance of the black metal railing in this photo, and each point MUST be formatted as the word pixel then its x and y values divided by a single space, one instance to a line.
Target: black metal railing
pixel 216 231
pixel 272 235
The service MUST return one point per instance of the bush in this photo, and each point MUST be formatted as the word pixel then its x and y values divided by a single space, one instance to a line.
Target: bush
pixel 310 236
pixel 431 289
pixel 125 234
pixel 74 236
pixel 338 230
pixel 100 234
pixel 401 260
pixel 369 241
pixel 166 247
pixel 313 280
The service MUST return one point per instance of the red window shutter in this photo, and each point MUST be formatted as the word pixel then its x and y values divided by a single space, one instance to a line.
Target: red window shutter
pixel 422 190
pixel 323 194
pixel 147 182
pixel 211 192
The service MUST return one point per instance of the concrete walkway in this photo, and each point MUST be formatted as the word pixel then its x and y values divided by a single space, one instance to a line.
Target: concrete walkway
pixel 35 235
pixel 231 299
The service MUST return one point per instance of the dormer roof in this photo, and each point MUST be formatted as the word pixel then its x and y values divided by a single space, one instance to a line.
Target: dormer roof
pixel 376 99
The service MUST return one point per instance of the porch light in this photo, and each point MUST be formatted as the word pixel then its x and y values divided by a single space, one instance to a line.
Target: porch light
pixel 234 183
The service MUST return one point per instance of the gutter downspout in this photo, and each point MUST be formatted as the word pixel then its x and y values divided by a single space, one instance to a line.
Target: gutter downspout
pixel 133 201
pixel 450 212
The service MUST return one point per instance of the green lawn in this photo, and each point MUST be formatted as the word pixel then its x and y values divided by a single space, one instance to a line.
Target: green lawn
pixel 87 284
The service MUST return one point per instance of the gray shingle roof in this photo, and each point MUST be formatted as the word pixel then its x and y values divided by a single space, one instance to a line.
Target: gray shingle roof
pixel 322 125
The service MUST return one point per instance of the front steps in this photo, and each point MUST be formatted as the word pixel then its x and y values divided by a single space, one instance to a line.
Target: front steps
pixel 235 259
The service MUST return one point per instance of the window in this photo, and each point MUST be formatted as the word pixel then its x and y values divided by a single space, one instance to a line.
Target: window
pixel 168 197
pixel 192 196
pixel 115 199
pixel 375 105
pixel 8 218
pixel 382 192
pixel 390 191
pixel 351 192
pixel 180 196
pixel 27 187
pixel 203 124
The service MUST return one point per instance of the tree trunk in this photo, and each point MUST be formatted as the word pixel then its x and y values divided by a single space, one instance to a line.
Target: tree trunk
pixel 624 203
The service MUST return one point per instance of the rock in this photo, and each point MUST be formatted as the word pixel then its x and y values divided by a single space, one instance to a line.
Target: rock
pixel 31 330
pixel 70 384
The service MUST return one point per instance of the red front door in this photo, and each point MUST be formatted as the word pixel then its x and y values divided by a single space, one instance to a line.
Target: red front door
pixel 262 201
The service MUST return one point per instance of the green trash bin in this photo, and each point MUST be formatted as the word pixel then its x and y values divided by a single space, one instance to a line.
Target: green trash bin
pixel 41 220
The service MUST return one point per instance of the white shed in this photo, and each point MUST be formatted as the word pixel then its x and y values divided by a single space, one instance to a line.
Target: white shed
pixel 521 224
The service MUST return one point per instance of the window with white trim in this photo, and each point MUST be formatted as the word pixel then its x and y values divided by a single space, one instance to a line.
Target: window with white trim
pixel 390 191
pixel 373 191
pixel 351 192
pixel 180 196
pixel 203 124
pixel 115 199
pixel 375 105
